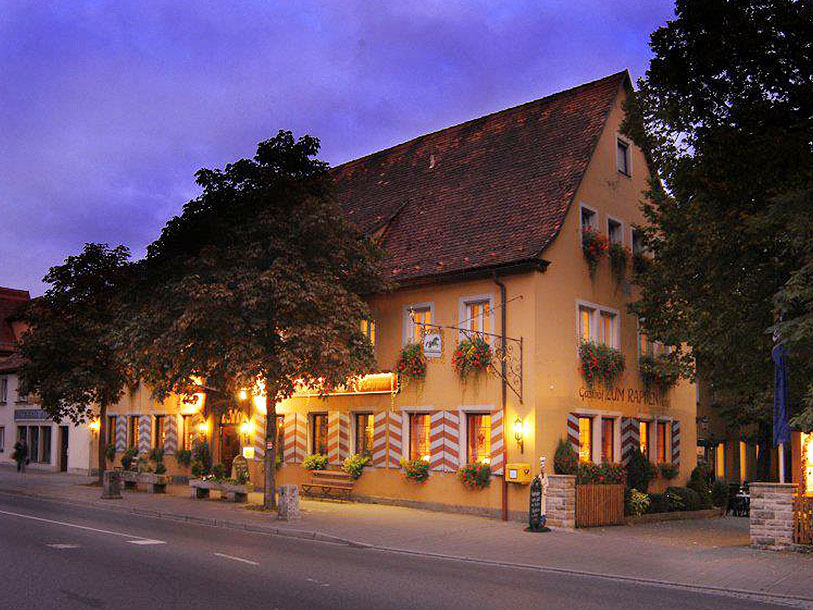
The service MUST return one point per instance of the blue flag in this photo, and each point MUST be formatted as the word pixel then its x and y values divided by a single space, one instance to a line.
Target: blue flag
pixel 781 430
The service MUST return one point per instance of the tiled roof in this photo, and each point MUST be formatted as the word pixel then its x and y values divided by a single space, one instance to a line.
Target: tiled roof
pixel 490 192
pixel 11 302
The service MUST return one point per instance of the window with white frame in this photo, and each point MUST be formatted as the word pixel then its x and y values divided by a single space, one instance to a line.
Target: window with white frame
pixel 478 437
pixel 615 231
pixel 623 157
pixel 608 323
pixel 368 329
pixel 589 219
pixel 587 330
pixel 637 242
pixel 416 320
pixel 599 325
pixel 3 390
pixel 477 315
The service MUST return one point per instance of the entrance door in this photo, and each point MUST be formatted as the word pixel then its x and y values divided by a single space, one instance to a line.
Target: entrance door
pixel 63 448
pixel 229 444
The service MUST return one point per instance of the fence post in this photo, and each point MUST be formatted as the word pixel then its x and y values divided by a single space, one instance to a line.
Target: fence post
pixel 772 515
pixel 561 500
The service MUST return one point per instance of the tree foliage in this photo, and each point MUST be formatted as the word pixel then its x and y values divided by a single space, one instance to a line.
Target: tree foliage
pixel 724 115
pixel 259 282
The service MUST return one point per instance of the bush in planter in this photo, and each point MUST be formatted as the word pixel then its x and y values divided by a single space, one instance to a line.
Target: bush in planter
pixel 416 470
pixel 475 476
pixel 636 503
pixel 354 465
pixel 183 457
pixel 601 363
pixel 472 355
pixel 601 474
pixel 719 493
pixel 565 460
pixel 673 500
pixel 689 498
pixel 669 470
pixel 160 468
pixel 411 362
pixel 110 452
pixel 657 504
pixel 658 373
pixel 315 461
pixel 220 472
pixel 144 465
pixel 619 256
pixel 202 456
pixel 594 246
pixel 128 458
pixel 640 471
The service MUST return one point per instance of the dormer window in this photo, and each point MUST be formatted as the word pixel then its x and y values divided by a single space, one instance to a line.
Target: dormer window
pixel 622 158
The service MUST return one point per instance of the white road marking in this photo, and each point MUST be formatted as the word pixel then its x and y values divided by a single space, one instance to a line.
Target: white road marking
pixel 254 563
pixel 63 546
pixel 318 582
pixel 146 541
pixel 81 527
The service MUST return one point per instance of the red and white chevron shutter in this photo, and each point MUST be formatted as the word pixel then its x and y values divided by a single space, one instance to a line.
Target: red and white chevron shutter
pixel 295 438
pixel 121 434
pixel 171 438
pixel 630 441
pixel 573 430
pixel 436 431
pixel 144 433
pixel 676 442
pixel 451 441
pixel 259 436
pixel 497 442
pixel 395 420
pixel 338 436
pixel 380 440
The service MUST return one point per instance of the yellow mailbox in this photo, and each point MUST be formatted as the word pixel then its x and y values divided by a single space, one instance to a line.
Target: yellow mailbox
pixel 518 472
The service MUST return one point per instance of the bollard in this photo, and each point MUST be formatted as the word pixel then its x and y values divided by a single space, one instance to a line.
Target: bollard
pixel 288 507
pixel 112 485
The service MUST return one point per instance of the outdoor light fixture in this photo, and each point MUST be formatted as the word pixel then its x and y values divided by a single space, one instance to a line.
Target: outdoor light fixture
pixel 203 427
pixel 245 428
pixel 94 425
pixel 519 434
pixel 243 395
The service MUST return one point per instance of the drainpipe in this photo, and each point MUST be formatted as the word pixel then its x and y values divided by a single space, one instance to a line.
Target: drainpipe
pixel 503 372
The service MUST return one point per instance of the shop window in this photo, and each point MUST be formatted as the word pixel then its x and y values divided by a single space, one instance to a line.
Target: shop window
pixel 132 431
pixel 34 443
pixel 368 330
pixel 585 439
pixel 319 433
pixel 478 431
pixel 586 325
pixel 159 437
pixel 663 429
pixel 477 316
pixel 643 438
pixel 719 461
pixel 623 157
pixel 365 429
pixel 111 430
pixel 416 320
pixel 45 445
pixel 3 390
pixel 743 462
pixel 187 432
pixel 607 439
pixel 615 231
pixel 419 429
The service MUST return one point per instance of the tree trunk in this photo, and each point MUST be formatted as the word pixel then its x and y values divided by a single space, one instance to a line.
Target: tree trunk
pixel 270 489
pixel 102 437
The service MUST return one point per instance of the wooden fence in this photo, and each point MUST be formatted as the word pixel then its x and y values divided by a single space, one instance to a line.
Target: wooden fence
pixel 599 505
pixel 803 520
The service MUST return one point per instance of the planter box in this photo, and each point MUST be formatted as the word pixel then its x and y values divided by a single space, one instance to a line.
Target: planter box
pixel 129 478
pixel 678 515
pixel 598 505
pixel 234 492
pixel 155 483
pixel 201 488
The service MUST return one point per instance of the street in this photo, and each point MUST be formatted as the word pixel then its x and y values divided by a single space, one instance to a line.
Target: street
pixel 58 555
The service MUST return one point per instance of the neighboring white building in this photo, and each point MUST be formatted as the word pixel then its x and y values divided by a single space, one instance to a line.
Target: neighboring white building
pixel 52 446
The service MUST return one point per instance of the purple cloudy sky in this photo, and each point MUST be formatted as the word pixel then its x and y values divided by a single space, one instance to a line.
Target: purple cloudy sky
pixel 108 108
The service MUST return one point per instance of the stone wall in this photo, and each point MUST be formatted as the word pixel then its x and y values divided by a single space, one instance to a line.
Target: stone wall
pixel 561 501
pixel 772 515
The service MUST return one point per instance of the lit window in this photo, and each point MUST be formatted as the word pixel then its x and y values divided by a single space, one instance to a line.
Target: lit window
pixel 643 436
pixel 419 429
pixel 365 429
pixel 608 334
pixel 111 430
pixel 586 330
pixel 187 434
pixel 133 431
pixel 478 428
pixel 585 439
pixel 607 439
pixel 663 428
pixel 743 462
pixel 319 433
pixel 623 157
pixel 615 231
pixel 160 432
pixel 417 319
pixel 719 461
pixel 368 330
pixel 477 316
pixel 3 389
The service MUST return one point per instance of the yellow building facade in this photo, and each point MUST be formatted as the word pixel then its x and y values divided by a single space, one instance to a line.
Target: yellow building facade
pixel 543 302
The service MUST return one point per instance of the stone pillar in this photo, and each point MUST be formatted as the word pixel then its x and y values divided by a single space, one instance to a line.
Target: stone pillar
pixel 561 501
pixel 772 515
pixel 288 506
pixel 112 485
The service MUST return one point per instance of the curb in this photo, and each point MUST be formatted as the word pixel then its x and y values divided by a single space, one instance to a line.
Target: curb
pixel 322 537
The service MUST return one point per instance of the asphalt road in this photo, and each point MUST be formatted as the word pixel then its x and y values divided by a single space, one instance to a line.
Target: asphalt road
pixel 56 555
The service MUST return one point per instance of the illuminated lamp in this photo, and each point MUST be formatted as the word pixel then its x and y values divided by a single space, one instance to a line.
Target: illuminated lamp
pixel 242 395
pixel 519 434
pixel 94 425
pixel 203 427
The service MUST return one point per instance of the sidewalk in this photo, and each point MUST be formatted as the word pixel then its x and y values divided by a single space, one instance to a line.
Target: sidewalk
pixel 706 553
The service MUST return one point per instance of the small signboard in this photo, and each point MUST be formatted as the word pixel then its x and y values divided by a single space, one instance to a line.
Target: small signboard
pixel 432 345
pixel 36 414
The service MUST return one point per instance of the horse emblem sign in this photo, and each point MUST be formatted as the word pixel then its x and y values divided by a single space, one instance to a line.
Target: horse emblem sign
pixel 432 345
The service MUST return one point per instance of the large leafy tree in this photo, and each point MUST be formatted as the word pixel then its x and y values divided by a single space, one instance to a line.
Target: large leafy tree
pixel 724 114
pixel 259 283
pixel 71 362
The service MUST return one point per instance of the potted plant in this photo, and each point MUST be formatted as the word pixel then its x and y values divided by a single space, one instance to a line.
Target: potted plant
pixel 354 465
pixel 601 363
pixel 619 256
pixel 416 470
pixel 475 476
pixel 128 458
pixel 594 247
pixel 110 452
pixel 565 459
pixel 471 356
pixel 316 461
pixel 411 362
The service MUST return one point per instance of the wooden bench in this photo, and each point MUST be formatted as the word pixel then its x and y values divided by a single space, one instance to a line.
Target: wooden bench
pixel 334 484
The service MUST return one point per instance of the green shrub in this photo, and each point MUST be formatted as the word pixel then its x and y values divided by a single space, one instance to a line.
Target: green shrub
pixel 220 472
pixel 157 455
pixel 601 474
pixel 144 465
pixel 658 373
pixel 657 504
pixel 160 468
pixel 703 490
pixel 316 461
pixel 183 457
pixel 416 470
pixel 669 470
pixel 640 471
pixel 354 465
pixel 636 503
pixel 702 472
pixel 673 500
pixel 719 493
pixel 689 498
pixel 128 458
pixel 110 452
pixel 565 460
pixel 203 456
pixel 475 476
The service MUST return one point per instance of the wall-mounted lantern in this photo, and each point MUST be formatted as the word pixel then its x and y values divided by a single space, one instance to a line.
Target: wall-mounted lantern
pixel 519 433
